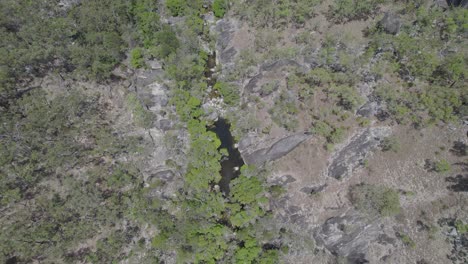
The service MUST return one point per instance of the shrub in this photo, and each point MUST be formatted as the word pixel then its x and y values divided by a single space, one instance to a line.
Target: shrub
pixel 141 116
pixel 229 92
pixel 375 200
pixel 166 43
pixel 176 7
pixel 219 8
pixel 390 144
pixel 332 134
pixel 348 98
pixel 353 9
pixel 442 166
pixel 407 241
pixel 136 59
pixel 284 111
pixel 461 227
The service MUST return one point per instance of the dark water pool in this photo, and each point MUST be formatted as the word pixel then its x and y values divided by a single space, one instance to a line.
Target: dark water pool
pixel 231 164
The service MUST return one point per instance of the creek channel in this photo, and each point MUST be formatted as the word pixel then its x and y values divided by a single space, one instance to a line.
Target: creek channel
pixel 230 164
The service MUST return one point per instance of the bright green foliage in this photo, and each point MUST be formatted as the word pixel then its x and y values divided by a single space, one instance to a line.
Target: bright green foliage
pixel 332 134
pixel 187 106
pixel 422 60
pixel 462 228
pixel 376 200
pixel 209 243
pixel 246 190
pixel 442 103
pixel 219 8
pixel 246 216
pixel 442 166
pixel 137 60
pixel 176 7
pixel 230 93
pixel 147 21
pixel 250 250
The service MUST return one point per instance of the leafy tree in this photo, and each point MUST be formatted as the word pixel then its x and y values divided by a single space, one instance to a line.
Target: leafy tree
pixel 176 7
pixel 166 43
pixel 229 92
pixel 375 200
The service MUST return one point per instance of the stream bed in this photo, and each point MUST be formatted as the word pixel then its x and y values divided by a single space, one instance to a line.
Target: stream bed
pixel 231 164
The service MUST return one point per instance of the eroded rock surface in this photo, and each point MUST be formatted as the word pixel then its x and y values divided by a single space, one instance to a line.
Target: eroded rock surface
pixel 352 155
pixel 350 236
pixel 391 23
pixel 257 153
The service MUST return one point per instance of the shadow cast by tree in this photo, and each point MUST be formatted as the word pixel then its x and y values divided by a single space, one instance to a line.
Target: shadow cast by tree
pixel 459 183
pixel 459 149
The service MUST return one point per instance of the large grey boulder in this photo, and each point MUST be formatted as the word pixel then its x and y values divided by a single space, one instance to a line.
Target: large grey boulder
pixel 257 153
pixel 350 156
pixel 391 23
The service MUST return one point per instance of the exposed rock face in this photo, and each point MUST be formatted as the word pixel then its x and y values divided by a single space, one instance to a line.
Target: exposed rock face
pixel 350 236
pixel 261 152
pixel 345 160
pixel 165 124
pixel 226 30
pixel 278 64
pixel 283 180
pixel 391 23
pixel 165 175
pixel 369 109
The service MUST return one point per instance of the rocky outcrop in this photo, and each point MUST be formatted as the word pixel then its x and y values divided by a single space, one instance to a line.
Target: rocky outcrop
pixel 369 109
pixel 283 180
pixel 226 30
pixel 271 66
pixel 352 155
pixel 350 236
pixel 391 23
pixel 257 153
